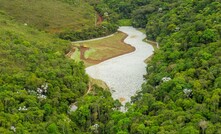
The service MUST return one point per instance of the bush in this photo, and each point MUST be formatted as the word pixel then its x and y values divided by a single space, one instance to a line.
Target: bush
pixel 94 32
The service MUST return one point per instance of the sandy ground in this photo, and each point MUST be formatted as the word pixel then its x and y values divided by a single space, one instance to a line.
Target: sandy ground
pixel 124 74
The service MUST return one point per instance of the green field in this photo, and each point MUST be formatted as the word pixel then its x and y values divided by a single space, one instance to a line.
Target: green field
pixel 50 15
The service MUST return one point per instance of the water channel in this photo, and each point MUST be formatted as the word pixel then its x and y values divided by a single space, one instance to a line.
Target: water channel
pixel 124 74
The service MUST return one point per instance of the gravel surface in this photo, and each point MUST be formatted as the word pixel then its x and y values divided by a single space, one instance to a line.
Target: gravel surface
pixel 124 74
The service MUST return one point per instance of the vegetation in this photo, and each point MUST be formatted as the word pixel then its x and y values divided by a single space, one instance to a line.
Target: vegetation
pixel 93 32
pixel 38 83
pixel 98 82
pixel 124 22
pixel 182 89
pixel 94 52
pixel 181 94
pixel 51 15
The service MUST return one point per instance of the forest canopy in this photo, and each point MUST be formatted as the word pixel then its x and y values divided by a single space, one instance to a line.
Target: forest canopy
pixel 182 89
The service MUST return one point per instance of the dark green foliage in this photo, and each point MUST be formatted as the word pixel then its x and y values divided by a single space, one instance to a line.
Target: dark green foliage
pixel 189 36
pixel 52 128
pixel 190 55
pixel 38 83
pixel 90 33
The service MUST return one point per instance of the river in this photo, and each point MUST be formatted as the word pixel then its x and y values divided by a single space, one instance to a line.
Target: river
pixel 124 74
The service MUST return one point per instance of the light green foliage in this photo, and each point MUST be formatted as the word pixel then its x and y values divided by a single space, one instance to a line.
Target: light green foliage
pixel 124 22
pixel 38 83
pixel 51 15
pixel 89 52
pixel 189 36
pixel 52 129
pixel 76 55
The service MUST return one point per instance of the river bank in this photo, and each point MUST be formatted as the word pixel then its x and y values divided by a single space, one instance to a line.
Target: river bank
pixel 97 50
pixel 124 74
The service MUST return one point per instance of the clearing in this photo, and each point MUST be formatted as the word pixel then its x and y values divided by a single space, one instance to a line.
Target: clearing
pixel 94 52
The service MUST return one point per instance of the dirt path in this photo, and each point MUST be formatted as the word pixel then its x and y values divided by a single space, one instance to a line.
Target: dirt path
pixel 99 19
pixel 88 60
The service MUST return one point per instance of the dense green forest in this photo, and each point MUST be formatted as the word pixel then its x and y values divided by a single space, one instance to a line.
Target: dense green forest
pixel 37 82
pixel 182 92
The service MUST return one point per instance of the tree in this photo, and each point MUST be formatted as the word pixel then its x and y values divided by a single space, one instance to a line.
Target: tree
pixel 52 129
pixel 208 36
pixel 203 126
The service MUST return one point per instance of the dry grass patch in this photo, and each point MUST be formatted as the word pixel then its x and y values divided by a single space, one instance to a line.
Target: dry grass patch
pixel 100 50
pixel 50 15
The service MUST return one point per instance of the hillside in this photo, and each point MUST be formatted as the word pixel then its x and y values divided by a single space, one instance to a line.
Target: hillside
pixel 182 92
pixel 37 81
pixel 51 15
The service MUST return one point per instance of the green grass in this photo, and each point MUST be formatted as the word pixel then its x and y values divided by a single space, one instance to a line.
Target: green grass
pixel 89 53
pixel 18 42
pixel 124 22
pixel 142 30
pixel 50 15
pixel 76 55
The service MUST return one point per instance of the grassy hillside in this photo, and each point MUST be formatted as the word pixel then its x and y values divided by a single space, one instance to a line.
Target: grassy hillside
pixel 37 82
pixel 30 41
pixel 50 15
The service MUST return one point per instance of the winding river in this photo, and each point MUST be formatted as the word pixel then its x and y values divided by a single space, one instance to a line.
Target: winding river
pixel 124 74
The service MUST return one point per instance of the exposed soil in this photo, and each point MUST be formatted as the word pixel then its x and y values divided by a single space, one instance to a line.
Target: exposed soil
pixel 88 60
pixel 99 19
pixel 83 49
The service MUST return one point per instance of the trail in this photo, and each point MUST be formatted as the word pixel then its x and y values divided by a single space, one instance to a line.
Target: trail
pixel 99 19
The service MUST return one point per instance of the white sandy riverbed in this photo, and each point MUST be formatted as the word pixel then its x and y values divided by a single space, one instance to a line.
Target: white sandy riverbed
pixel 124 74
